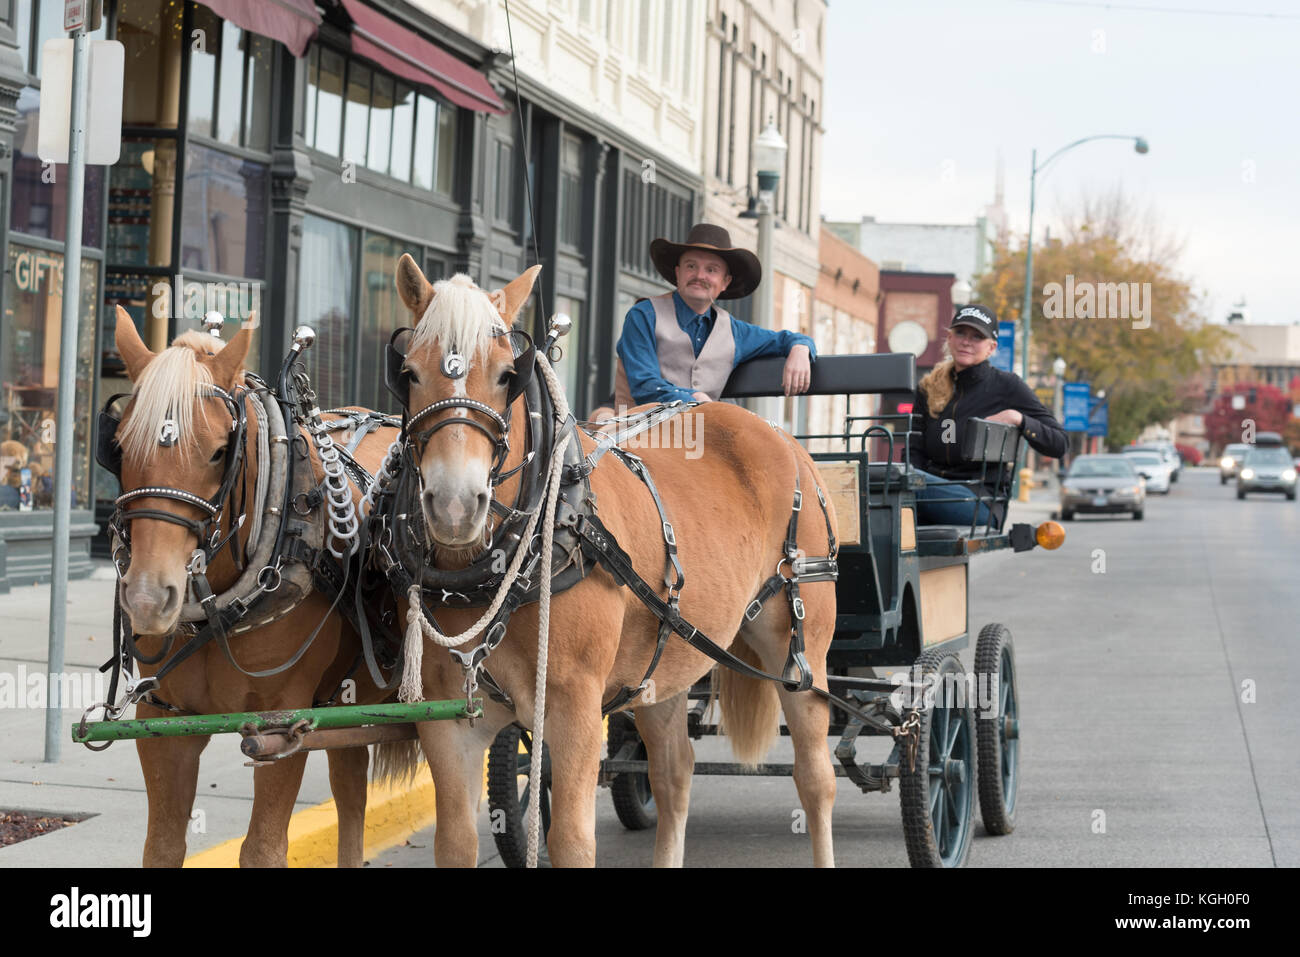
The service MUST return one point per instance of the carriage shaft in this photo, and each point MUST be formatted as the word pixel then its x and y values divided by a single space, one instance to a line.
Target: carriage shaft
pixel 344 716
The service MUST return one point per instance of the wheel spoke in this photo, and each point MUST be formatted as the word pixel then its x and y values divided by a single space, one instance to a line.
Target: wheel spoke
pixel 953 733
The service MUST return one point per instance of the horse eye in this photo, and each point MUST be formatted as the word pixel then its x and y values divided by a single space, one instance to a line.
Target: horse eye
pixel 505 377
pixel 217 456
pixel 411 377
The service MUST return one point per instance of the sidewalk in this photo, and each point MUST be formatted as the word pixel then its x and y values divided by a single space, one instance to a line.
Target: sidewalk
pixel 108 786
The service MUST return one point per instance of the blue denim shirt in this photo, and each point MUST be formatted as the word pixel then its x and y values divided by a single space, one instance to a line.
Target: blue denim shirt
pixel 640 354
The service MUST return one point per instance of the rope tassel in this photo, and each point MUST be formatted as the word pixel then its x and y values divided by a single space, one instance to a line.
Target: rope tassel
pixel 412 687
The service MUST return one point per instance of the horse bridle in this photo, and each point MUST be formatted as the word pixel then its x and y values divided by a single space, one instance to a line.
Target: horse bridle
pixel 207 530
pixel 398 380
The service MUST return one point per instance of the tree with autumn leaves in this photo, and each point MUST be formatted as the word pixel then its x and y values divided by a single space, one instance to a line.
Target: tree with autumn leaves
pixel 1149 373
pixel 1264 408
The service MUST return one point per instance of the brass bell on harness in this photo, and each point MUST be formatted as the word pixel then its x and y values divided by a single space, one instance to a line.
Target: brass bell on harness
pixel 212 322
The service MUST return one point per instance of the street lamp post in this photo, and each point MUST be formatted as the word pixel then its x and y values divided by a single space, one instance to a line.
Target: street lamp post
pixel 769 159
pixel 1139 145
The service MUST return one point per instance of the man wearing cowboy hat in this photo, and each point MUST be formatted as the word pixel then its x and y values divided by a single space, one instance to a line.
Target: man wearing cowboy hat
pixel 679 345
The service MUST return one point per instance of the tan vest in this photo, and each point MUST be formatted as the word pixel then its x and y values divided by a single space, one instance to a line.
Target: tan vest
pixel 707 373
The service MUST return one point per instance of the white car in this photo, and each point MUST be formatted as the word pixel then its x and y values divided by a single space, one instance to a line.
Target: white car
pixel 1152 467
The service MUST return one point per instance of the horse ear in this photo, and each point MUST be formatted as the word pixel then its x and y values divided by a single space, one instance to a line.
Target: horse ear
pixel 130 346
pixel 516 293
pixel 228 363
pixel 412 286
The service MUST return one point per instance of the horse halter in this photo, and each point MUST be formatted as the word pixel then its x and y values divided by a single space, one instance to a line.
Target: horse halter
pixel 454 366
pixel 207 530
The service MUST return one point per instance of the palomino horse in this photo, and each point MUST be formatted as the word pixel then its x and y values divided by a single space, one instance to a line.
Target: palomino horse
pixel 169 397
pixel 730 509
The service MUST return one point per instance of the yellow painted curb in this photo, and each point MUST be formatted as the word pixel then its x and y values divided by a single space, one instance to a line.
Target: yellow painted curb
pixel 392 815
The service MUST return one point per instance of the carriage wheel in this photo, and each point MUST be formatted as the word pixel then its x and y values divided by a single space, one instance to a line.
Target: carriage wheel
pixel 634 803
pixel 997 729
pixel 938 796
pixel 508 796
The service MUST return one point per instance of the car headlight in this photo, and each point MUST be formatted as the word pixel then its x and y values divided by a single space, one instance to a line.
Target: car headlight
pixel 1226 462
pixel 1248 474
pixel 1131 490
pixel 1288 475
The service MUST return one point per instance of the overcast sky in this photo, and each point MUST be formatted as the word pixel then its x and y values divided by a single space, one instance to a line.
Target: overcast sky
pixel 919 87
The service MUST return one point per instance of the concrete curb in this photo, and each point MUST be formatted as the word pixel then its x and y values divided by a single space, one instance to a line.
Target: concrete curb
pixel 393 814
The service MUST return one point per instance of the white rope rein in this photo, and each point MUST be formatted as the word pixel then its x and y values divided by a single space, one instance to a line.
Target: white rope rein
pixel 544 616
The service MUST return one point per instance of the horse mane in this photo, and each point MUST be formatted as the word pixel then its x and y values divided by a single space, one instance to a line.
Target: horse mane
pixel 166 390
pixel 461 318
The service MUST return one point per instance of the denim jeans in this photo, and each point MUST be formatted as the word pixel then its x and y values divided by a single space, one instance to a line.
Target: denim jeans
pixel 930 512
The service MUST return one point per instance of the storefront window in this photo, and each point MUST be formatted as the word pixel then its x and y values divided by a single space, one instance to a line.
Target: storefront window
pixel 141 203
pixel 29 376
pixel 223 223
pixel 355 126
pixel 151 32
pixel 567 368
pixel 230 80
pixel 326 299
pixel 382 313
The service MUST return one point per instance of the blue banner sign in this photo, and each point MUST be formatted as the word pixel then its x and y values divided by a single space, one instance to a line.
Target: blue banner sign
pixel 1099 418
pixel 1005 357
pixel 1076 399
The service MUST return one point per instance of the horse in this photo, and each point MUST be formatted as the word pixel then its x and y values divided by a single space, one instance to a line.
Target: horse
pixel 730 509
pixel 176 437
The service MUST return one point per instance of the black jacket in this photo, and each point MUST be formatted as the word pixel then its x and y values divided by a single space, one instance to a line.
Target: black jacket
pixel 981 391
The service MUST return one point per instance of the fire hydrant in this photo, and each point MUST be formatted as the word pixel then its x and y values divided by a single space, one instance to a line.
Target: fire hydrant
pixel 1026 483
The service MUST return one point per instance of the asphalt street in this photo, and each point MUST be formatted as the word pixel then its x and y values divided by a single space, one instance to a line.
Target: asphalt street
pixel 1158 673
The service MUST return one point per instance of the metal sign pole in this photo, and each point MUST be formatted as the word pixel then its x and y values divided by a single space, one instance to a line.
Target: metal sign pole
pixel 64 434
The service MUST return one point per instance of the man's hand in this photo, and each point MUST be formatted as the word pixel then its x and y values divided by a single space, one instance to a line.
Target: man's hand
pixel 1008 417
pixel 700 397
pixel 798 372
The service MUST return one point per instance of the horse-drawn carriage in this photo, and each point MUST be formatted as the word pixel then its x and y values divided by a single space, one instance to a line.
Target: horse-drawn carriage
pixel 511 554
pixel 902 603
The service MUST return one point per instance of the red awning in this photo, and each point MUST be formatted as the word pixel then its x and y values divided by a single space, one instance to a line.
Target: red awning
pixel 400 51
pixel 292 22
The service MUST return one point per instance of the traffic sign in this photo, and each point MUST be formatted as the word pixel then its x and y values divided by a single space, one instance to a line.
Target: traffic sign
pixel 104 110
pixel 1075 400
pixel 1099 417
pixel 1005 357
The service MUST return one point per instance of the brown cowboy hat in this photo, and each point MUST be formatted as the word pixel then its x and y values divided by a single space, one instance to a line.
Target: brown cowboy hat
pixel 745 269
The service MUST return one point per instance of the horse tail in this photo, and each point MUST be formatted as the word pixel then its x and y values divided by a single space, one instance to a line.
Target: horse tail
pixel 750 708
pixel 395 762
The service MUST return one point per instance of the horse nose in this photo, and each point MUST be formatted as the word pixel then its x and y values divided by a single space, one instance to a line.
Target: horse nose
pixel 149 605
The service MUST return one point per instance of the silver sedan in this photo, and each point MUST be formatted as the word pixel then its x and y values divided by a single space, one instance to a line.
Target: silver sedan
pixel 1104 484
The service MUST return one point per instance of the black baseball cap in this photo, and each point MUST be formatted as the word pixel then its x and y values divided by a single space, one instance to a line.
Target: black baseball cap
pixel 980 317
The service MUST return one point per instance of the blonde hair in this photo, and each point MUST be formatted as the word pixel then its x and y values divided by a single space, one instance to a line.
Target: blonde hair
pixel 460 318
pixel 939 384
pixel 167 389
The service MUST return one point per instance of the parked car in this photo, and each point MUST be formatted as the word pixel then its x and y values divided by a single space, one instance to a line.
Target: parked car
pixel 1102 484
pixel 1230 464
pixel 1166 451
pixel 1267 469
pixel 1152 467
pixel 1190 454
